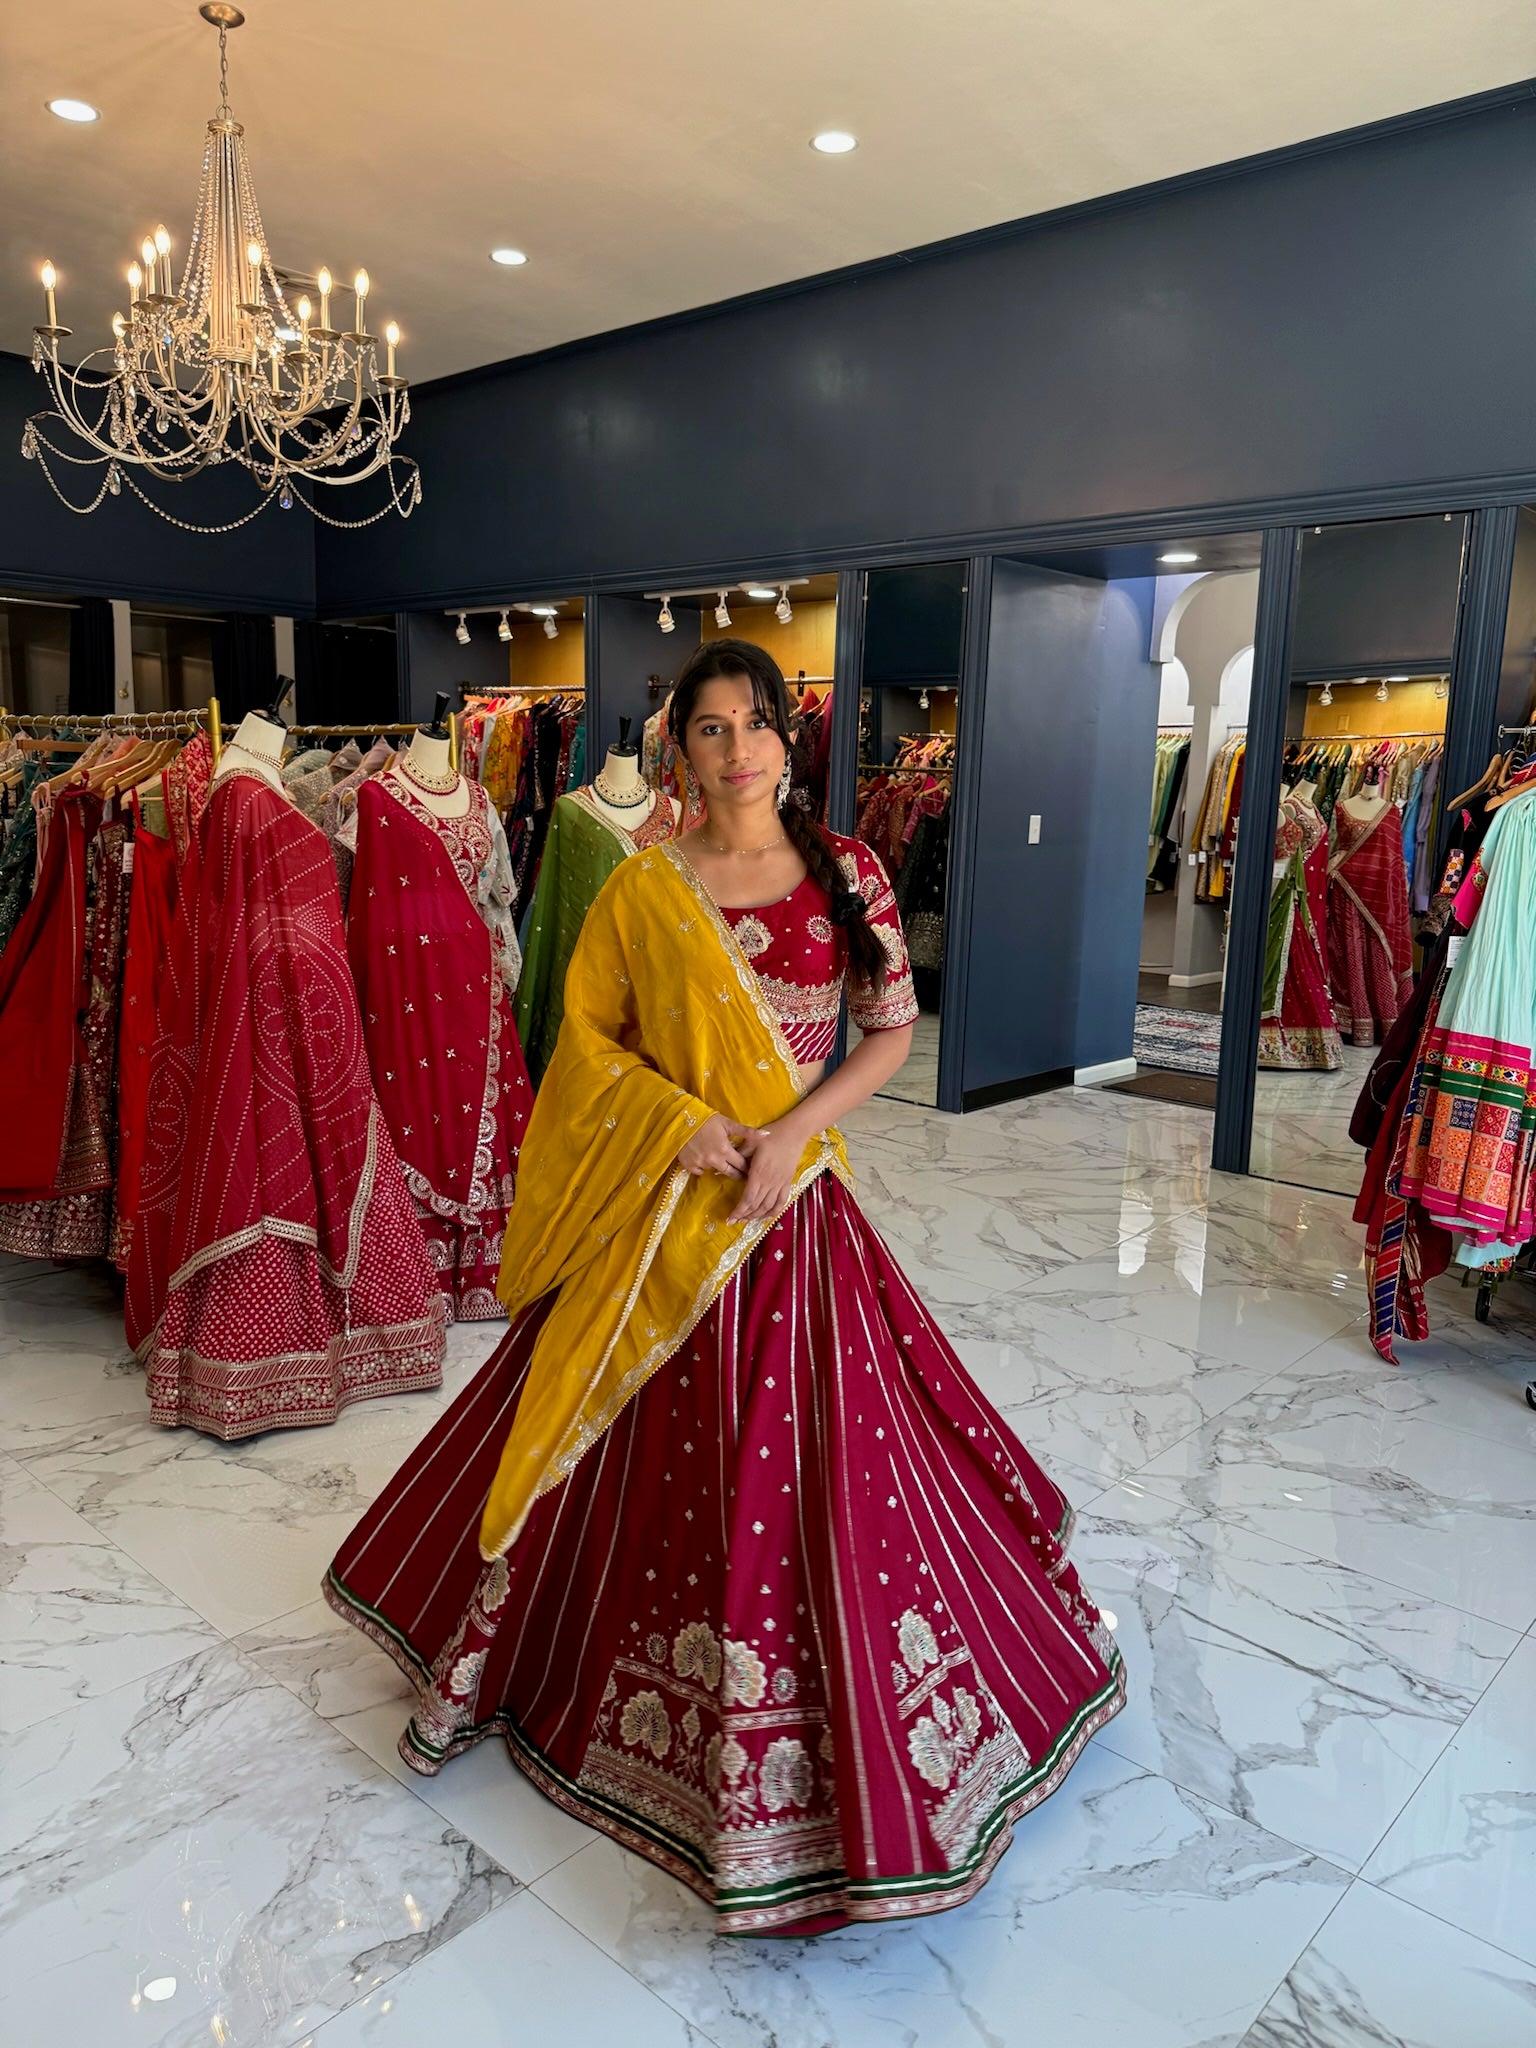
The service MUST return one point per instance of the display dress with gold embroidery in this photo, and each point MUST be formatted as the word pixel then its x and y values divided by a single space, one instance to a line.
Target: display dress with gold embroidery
pixel 791 1612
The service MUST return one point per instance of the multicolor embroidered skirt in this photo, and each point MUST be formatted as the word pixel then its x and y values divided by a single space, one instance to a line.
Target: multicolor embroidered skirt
pixel 800 1628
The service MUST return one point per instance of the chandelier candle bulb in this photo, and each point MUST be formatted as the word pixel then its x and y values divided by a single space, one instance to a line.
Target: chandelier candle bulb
pixel 163 247
pixel 304 311
pixel 50 278
pixel 324 282
pixel 135 279
pixel 253 257
pixel 360 286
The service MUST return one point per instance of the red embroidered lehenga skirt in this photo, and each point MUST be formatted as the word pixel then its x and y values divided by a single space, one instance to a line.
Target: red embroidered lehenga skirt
pixel 800 1627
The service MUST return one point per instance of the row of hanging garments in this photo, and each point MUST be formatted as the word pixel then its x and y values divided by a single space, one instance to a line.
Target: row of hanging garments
pixel 1170 766
pixel 904 815
pixel 526 749
pixel 297 1138
pixel 1213 836
pixel 79 962
pixel 1406 769
pixel 1448 1113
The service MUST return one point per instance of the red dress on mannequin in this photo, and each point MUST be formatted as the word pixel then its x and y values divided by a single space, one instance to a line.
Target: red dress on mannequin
pixel 277 1271
pixel 1370 948
pixel 447 1065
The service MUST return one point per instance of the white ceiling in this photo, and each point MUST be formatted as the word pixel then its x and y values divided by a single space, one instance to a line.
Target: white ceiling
pixel 653 157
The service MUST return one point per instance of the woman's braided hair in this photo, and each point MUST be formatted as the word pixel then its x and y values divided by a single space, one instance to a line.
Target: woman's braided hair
pixel 716 658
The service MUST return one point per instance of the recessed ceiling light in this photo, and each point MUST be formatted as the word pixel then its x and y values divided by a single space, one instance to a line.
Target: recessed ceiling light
pixel 1178 557
pixel 834 142
pixel 756 590
pixel 73 110
pixel 542 611
pixel 511 257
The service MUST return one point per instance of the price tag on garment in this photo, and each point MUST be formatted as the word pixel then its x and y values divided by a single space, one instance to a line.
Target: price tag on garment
pixel 1200 857
pixel 128 858
pixel 1453 949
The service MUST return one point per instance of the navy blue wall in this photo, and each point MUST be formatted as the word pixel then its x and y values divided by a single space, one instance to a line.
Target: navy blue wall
pixel 1355 318
pixel 431 659
pixel 1068 719
pixel 1383 595
pixel 1116 799
pixel 123 550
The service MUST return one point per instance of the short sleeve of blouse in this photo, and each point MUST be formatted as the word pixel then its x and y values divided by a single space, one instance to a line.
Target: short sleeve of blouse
pixel 894 1004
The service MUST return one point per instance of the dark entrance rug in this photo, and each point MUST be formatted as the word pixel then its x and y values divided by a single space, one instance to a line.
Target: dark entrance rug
pixel 1187 1041
pixel 1197 1091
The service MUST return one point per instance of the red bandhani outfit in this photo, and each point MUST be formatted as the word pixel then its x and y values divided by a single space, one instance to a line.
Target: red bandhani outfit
pixel 277 1271
pixel 447 1065
pixel 1297 1028
pixel 799 1625
pixel 1370 949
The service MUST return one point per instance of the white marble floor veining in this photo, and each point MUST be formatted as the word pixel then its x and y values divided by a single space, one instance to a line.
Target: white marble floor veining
pixel 1314 1825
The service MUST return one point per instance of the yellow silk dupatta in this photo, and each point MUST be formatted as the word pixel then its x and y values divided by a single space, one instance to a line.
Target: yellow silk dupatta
pixel 665 1025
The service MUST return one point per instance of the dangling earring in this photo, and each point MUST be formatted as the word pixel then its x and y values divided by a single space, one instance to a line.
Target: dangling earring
pixel 784 782
pixel 692 794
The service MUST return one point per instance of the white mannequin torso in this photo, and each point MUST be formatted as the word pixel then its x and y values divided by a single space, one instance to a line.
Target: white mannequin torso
pixel 621 774
pixel 431 757
pixel 1366 806
pixel 257 748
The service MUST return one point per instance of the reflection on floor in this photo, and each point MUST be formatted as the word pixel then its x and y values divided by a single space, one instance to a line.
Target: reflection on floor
pixel 1315 1822
pixel 918 1081
pixel 1301 1125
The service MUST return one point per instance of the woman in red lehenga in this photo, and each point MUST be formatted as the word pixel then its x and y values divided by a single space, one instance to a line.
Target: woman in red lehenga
pixel 758 1583
pixel 1296 1027
pixel 433 980
pixel 1370 949
pixel 277 1271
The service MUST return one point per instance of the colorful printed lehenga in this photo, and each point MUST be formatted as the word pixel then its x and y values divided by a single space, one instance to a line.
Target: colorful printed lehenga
pixel 1370 948
pixel 1470 1136
pixel 433 979
pixel 763 1587
pixel 1297 1027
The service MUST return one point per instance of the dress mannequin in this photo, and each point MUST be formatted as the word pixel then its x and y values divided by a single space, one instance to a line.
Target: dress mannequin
pixel 618 792
pixel 257 747
pixel 425 765
pixel 1367 805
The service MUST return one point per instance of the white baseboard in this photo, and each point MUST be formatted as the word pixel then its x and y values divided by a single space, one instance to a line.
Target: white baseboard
pixel 1194 980
pixel 1107 1070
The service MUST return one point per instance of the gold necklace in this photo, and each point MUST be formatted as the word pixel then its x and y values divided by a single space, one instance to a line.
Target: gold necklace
pixel 766 847
pixel 438 784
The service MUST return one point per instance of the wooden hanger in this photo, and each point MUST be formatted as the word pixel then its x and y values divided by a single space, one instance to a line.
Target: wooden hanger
pixel 1484 781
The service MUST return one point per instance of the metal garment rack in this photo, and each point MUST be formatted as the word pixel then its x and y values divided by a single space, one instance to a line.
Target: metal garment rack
pixel 194 719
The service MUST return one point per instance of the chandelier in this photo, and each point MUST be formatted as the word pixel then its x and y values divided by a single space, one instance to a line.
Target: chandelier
pixel 220 369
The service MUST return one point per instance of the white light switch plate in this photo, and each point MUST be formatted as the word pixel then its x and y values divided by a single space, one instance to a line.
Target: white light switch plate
pixel 1034 828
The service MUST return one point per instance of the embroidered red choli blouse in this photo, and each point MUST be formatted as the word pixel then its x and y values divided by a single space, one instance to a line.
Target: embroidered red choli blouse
pixel 801 958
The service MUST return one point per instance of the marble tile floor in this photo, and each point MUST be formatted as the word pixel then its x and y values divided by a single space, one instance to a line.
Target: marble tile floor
pixel 1314 1825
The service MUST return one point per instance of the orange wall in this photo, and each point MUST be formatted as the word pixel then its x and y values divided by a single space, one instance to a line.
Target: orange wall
pixel 808 642
pixel 1410 707
pixel 535 662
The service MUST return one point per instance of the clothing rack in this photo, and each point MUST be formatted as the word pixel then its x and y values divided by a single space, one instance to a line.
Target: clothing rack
pixel 141 724
pixel 347 732
pixel 1380 739
pixel 867 772
pixel 1510 732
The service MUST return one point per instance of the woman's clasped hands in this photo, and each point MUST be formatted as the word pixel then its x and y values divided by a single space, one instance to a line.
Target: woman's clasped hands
pixel 765 1159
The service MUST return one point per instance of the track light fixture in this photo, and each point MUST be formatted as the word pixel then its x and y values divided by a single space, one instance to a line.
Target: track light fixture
pixel 1383 694
pixel 504 631
pixel 783 611
pixel 1443 687
pixel 664 619
pixel 551 630
pixel 461 631
pixel 722 612
pixel 1327 696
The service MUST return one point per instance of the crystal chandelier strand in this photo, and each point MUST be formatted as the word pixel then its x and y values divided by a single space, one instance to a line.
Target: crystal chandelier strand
pixel 200 376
